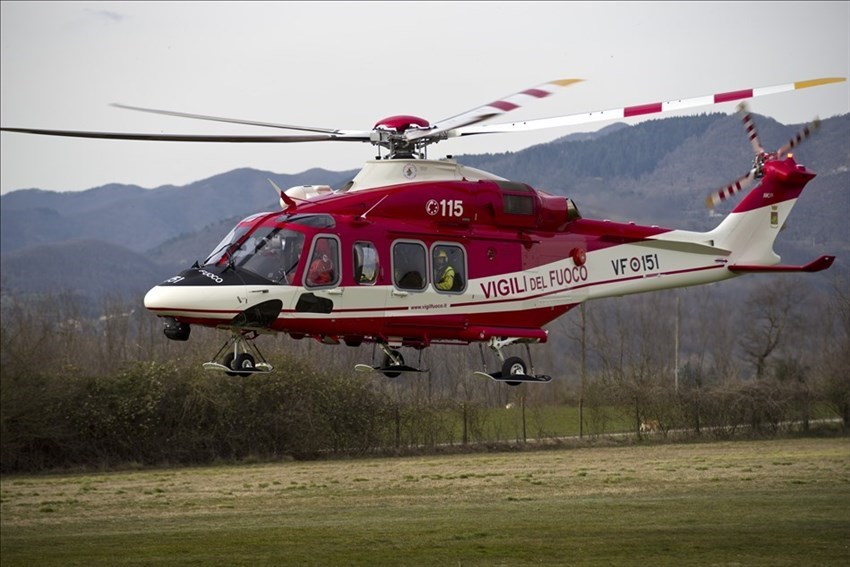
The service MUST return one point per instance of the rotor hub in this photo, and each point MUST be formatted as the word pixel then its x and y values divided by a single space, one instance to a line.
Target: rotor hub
pixel 390 133
pixel 402 123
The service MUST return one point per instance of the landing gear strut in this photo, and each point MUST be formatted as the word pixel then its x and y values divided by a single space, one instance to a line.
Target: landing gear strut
pixel 243 359
pixel 514 370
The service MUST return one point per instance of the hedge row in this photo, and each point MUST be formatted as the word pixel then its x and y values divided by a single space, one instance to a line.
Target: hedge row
pixel 154 413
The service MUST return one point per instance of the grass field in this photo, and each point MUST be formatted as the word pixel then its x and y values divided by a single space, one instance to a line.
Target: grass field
pixel 546 421
pixel 778 502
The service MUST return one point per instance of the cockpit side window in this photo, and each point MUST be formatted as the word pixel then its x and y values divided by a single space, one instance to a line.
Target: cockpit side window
pixel 324 263
pixel 365 263
pixel 410 266
pixel 449 268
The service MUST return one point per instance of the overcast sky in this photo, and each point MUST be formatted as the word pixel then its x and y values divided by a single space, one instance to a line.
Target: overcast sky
pixel 348 64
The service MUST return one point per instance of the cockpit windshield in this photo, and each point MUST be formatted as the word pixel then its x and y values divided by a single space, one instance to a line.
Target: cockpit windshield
pixel 270 252
pixel 234 236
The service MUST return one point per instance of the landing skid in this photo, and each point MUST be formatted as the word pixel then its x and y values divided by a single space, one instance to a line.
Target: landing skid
pixel 393 365
pixel 514 370
pixel 514 379
pixel 259 368
pixel 244 359
pixel 396 369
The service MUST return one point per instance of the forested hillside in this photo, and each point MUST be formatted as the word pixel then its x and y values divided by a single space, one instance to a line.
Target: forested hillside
pixel 141 219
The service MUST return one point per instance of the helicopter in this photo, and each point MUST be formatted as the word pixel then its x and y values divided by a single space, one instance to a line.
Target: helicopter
pixel 417 252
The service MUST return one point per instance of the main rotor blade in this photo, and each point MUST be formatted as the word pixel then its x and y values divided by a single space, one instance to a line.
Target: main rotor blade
pixel 188 137
pixel 495 108
pixel 237 120
pixel 643 109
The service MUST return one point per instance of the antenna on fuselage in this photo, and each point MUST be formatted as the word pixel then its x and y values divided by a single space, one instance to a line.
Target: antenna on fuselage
pixel 284 198
pixel 362 217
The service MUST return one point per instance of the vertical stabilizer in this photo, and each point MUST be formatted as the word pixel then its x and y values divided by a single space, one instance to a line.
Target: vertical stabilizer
pixel 751 228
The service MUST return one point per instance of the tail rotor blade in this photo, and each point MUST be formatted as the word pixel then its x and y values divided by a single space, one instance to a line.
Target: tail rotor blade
pixel 802 135
pixel 730 190
pixel 750 127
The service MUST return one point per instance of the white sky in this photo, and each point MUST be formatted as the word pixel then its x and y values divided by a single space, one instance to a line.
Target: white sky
pixel 348 64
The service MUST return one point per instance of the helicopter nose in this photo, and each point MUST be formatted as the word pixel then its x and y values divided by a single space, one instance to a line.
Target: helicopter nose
pixel 169 299
pixel 157 298
pixel 217 302
pixel 173 300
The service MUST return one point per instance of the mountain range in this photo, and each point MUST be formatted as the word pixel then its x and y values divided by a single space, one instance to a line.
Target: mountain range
pixel 126 238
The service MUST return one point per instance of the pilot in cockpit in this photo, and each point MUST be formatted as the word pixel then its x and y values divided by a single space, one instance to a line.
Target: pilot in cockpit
pixel 322 267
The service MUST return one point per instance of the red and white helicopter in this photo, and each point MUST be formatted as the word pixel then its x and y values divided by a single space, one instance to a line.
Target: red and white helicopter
pixel 415 252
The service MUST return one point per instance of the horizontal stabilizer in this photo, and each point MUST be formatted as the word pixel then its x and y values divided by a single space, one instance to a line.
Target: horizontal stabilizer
pixel 821 263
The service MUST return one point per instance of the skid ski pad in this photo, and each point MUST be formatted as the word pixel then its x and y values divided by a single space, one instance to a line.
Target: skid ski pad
pixel 382 369
pixel 260 367
pixel 515 378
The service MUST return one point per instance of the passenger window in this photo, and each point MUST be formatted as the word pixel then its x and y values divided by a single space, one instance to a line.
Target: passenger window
pixel 324 262
pixel 409 266
pixel 449 268
pixel 365 263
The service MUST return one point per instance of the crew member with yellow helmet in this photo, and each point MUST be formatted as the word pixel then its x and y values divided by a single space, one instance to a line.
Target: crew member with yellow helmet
pixel 444 273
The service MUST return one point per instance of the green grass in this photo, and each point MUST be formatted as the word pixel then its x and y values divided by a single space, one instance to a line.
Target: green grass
pixel 563 421
pixel 540 422
pixel 778 502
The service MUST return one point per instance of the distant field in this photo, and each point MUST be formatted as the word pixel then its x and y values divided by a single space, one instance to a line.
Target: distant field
pixel 777 502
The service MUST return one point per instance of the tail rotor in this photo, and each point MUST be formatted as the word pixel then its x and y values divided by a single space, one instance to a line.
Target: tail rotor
pixel 761 157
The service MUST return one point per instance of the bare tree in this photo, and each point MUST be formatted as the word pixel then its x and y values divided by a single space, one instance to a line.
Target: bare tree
pixel 833 358
pixel 769 315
